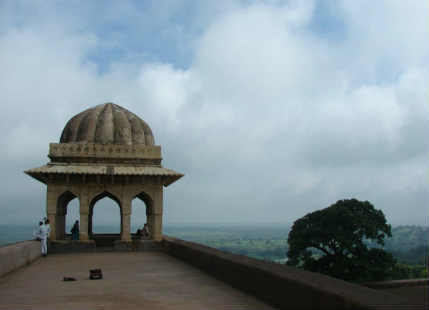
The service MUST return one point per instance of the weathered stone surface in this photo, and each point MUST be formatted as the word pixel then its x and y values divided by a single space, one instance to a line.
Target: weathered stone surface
pixel 283 286
pixel 16 255
pixel 154 280
pixel 107 124
pixel 133 280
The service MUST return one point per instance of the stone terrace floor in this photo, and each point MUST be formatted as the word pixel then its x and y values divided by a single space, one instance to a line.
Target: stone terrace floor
pixel 142 280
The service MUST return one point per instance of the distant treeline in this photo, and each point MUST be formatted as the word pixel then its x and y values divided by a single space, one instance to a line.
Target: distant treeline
pixel 409 244
pixel 262 242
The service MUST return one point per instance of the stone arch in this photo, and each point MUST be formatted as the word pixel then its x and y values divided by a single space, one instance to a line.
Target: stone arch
pixel 102 195
pixel 147 199
pixel 92 203
pixel 101 192
pixel 61 212
pixel 149 204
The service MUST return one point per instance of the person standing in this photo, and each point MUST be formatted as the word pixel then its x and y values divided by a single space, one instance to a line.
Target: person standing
pixel 43 234
pixel 75 231
pixel 48 225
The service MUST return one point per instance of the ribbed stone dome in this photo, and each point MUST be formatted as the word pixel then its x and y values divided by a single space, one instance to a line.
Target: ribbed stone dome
pixel 107 124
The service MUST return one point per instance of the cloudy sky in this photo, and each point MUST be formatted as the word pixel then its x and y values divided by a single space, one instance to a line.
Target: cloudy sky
pixel 271 109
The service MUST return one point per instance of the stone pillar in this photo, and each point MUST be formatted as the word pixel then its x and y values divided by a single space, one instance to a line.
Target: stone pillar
pixel 126 219
pixel 90 222
pixel 51 211
pixel 61 222
pixel 84 215
pixel 156 216
pixel 157 227
pixel 150 224
pixel 53 223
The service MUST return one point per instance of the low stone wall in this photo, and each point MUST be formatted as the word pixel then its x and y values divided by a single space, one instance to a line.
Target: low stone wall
pixel 137 246
pixel 71 246
pixel 398 283
pixel 91 246
pixel 282 286
pixel 14 256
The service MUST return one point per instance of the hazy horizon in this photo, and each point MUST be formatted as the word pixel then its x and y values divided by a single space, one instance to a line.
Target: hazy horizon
pixel 192 224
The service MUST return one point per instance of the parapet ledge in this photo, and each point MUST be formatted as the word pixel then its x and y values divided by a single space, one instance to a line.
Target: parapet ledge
pixel 94 150
pixel 280 285
pixel 397 283
pixel 17 255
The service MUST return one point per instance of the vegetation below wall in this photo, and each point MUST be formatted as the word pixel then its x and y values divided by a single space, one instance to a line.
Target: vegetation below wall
pixel 262 242
pixel 409 244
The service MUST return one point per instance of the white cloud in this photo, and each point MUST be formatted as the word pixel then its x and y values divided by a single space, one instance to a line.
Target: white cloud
pixel 310 108
pixel 170 89
pixel 269 121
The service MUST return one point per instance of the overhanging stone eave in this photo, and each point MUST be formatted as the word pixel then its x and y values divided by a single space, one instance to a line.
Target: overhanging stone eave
pixel 171 180
pixel 168 176
pixel 38 176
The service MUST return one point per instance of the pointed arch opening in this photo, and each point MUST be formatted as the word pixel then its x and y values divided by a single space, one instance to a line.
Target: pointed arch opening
pixel 104 223
pixel 141 206
pixel 67 212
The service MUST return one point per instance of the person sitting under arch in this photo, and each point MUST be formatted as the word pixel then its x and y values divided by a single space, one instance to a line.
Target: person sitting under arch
pixel 145 231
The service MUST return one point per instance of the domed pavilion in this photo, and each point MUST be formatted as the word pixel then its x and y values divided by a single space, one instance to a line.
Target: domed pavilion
pixel 105 151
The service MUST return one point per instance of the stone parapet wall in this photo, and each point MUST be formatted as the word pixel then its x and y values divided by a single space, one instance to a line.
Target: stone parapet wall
pixel 110 244
pixel 282 286
pixel 61 151
pixel 398 283
pixel 69 246
pixel 16 255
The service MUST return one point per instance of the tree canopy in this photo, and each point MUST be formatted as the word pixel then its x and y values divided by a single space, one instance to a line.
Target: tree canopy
pixel 332 241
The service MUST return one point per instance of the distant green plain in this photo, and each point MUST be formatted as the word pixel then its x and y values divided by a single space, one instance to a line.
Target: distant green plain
pixel 409 244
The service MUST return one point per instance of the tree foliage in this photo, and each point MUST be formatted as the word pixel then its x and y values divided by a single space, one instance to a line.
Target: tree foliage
pixel 331 241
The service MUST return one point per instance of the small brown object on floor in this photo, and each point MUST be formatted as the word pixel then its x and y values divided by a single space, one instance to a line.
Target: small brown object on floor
pixel 95 274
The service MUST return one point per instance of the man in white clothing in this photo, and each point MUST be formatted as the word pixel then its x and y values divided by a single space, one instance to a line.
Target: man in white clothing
pixel 48 226
pixel 44 234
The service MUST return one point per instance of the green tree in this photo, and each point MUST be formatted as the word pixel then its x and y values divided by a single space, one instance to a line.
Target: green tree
pixel 331 241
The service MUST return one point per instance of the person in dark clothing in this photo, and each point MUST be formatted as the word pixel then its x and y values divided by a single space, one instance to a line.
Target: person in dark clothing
pixel 75 231
pixel 145 231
